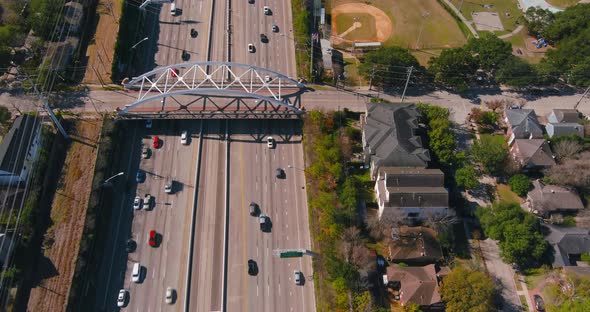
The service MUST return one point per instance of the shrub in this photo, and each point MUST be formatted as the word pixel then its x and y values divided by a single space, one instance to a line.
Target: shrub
pixel 520 184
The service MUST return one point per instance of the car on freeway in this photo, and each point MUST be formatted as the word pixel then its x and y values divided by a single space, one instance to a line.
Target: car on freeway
pixel 298 277
pixel 251 48
pixel 252 267
pixel 145 152
pixel 148 123
pixel 539 303
pixel 147 201
pixel 251 1
pixel 275 28
pixel 131 245
pixel 152 238
pixel 184 138
pixel 270 142
pixel 170 295
pixel 185 55
pixel 267 78
pixel 174 72
pixel 267 10
pixel 122 298
pixel 137 203
pixel 254 209
pixel 140 176
pixel 169 186
pixel 156 142
pixel 263 38
pixel 280 173
pixel 264 223
pixel 136 273
pixel 194 33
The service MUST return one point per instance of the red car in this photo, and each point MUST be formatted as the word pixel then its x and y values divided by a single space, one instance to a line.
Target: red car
pixel 174 73
pixel 152 240
pixel 156 142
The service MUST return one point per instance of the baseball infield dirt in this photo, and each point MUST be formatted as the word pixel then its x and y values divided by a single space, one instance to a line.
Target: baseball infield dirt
pixel 383 23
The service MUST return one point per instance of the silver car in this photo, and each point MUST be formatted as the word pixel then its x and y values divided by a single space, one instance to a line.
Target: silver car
pixel 170 295
pixel 298 277
pixel 122 298
pixel 137 203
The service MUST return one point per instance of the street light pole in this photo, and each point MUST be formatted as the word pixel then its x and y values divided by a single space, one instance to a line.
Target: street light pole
pixel 116 175
pixel 140 41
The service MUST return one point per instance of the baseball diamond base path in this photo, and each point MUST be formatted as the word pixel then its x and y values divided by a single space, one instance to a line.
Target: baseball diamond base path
pixel 383 23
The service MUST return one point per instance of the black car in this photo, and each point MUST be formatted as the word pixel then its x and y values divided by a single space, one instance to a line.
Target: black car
pixel 280 173
pixel 254 209
pixel 131 245
pixel 194 33
pixel 539 304
pixel 263 38
pixel 252 267
pixel 251 1
pixel 185 55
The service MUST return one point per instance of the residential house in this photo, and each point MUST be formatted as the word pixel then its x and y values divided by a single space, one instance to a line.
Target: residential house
pixel 417 284
pixel 568 244
pixel 18 150
pixel 391 136
pixel 411 193
pixel 545 200
pixel 522 124
pixel 561 115
pixel 414 246
pixel 533 154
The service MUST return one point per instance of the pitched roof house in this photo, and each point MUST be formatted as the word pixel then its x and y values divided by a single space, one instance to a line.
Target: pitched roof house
pixel 562 115
pixel 411 192
pixel 532 154
pixel 568 244
pixel 414 246
pixel 390 136
pixel 522 124
pixel 18 150
pixel 556 129
pixel 417 284
pixel 544 200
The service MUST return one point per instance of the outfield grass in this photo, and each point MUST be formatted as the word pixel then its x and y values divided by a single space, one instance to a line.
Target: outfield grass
pixel 499 6
pixel 366 32
pixel 439 28
pixel 562 3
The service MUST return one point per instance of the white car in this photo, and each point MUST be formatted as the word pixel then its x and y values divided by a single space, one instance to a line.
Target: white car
pixel 145 153
pixel 266 10
pixel 251 48
pixel 184 138
pixel 267 78
pixel 298 276
pixel 169 295
pixel 137 203
pixel 270 142
pixel 122 298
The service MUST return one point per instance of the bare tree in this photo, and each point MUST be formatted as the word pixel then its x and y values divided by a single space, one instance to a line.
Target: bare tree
pixel 566 149
pixel 439 222
pixel 351 239
pixel 571 172
pixel 495 104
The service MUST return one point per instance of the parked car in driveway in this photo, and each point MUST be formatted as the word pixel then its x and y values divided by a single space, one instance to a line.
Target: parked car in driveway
pixel 152 238
pixel 539 303
pixel 122 298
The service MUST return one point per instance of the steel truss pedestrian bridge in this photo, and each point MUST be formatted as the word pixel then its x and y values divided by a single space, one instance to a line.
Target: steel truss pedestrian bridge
pixel 213 90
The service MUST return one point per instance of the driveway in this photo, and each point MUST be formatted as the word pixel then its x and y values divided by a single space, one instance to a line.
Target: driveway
pixel 502 273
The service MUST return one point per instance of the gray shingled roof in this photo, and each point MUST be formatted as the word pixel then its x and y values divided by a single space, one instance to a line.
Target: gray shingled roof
pixel 523 123
pixel 548 198
pixel 566 128
pixel 390 135
pixel 567 241
pixel 15 145
pixel 412 176
pixel 535 152
pixel 566 115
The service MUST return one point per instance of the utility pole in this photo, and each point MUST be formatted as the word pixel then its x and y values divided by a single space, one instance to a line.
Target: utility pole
pixel 407 82
pixel 311 61
pixel 582 97
pixel 371 80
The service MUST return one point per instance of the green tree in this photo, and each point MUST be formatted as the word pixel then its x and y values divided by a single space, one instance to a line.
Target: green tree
pixel 44 15
pixel 523 242
pixel 568 23
pixel 582 305
pixel 4 114
pixel 454 68
pixel 520 184
pixel 491 154
pixel 517 73
pixel 412 307
pixel 494 218
pixel 464 290
pixel 537 20
pixel 489 50
pixel 466 177
pixel 382 65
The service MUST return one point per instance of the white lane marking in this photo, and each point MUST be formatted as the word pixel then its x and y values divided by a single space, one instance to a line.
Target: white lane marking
pixel 200 6
pixel 153 274
pixel 279 288
pixel 287 237
pixel 291 294
pixel 256 290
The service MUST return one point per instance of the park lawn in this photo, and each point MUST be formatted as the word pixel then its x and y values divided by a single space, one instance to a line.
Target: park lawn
pixel 508 196
pixel 562 3
pixel 517 41
pixel 353 78
pixel 423 56
pixel 367 32
pixel 500 6
pixel 439 28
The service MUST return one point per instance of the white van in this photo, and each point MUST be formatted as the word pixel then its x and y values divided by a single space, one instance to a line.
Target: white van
pixel 136 273
pixel 173 9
